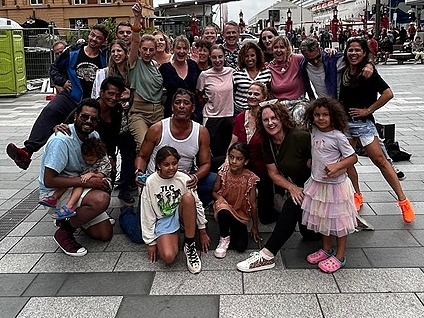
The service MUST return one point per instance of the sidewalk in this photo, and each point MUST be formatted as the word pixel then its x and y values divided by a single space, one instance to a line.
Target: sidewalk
pixel 384 276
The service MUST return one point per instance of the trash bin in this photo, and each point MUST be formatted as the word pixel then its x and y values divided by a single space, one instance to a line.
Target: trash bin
pixel 12 57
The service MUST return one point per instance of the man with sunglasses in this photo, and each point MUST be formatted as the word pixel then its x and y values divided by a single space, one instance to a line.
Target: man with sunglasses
pixel 74 71
pixel 61 165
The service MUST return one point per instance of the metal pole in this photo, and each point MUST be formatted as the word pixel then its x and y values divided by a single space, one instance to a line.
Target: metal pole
pixel 377 18
pixel 301 16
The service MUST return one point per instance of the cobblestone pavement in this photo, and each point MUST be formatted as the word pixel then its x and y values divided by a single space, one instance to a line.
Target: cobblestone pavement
pixel 383 278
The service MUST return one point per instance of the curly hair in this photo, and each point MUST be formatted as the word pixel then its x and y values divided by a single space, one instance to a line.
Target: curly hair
pixel 260 60
pixel 281 113
pixel 338 117
pixel 93 147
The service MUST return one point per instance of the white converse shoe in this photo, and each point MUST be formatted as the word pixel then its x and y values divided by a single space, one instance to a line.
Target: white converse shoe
pixel 221 249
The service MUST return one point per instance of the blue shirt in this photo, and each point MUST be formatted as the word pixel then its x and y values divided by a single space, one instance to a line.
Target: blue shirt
pixel 62 153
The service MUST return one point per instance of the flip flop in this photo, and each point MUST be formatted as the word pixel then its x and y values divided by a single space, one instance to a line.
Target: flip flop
pixel 63 213
pixel 331 264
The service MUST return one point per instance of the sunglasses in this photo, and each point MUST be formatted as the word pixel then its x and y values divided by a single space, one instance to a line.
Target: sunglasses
pixel 86 117
pixel 268 102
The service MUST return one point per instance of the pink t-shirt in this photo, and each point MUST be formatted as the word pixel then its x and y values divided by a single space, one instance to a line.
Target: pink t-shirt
pixel 286 79
pixel 218 87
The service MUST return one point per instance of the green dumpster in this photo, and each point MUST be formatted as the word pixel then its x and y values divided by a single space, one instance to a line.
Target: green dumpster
pixel 12 59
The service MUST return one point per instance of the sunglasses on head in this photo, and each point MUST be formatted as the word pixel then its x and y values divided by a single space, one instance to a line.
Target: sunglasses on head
pixel 268 102
pixel 86 117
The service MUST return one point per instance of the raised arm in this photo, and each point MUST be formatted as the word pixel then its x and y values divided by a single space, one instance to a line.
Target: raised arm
pixel 135 38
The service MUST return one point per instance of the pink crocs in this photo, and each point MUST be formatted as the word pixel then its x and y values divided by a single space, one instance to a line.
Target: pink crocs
pixel 318 256
pixel 331 264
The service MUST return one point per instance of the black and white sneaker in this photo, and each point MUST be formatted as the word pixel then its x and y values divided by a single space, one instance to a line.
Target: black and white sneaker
pixel 401 176
pixel 194 264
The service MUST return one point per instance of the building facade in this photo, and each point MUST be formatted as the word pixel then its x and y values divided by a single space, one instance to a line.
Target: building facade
pixel 71 13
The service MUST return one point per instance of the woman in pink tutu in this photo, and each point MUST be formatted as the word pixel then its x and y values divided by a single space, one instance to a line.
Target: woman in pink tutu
pixel 328 205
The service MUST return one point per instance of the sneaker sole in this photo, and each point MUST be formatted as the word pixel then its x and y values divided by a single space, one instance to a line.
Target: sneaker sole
pixel 363 224
pixel 256 269
pixel 219 255
pixel 12 153
pixel 68 253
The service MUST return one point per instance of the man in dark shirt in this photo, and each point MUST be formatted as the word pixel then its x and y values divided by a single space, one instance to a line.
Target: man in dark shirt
pixel 74 71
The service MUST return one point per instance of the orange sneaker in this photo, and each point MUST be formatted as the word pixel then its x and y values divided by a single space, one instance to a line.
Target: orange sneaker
pixel 359 200
pixel 407 211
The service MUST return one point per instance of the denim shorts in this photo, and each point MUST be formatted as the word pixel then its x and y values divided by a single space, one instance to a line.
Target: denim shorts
pixel 365 131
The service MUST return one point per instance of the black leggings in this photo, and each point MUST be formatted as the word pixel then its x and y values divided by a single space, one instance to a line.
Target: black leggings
pixel 229 225
pixel 285 226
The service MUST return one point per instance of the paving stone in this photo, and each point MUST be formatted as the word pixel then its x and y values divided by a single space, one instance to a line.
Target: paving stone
pixel 383 238
pixel 393 209
pixel 46 284
pixel 43 229
pixel 92 262
pixel 7 243
pixel 14 284
pixel 382 305
pixel 22 229
pixel 169 306
pixel 260 306
pixel 419 235
pixel 395 222
pixel 18 263
pixel 378 196
pixel 380 280
pixel 40 244
pixel 122 243
pixel 104 284
pixel 289 281
pixel 204 283
pixel 36 215
pixel 11 306
pixel 54 307
pixel 396 256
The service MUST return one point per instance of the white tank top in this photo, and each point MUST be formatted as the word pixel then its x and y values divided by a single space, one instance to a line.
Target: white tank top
pixel 187 148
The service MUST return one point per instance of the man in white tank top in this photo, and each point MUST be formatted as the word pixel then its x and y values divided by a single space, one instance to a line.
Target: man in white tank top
pixel 193 144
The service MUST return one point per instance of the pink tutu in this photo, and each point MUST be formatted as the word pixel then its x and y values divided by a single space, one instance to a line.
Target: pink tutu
pixel 329 208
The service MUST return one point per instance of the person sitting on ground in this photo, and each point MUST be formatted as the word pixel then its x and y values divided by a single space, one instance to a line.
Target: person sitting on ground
pixel 166 201
pixel 94 154
pixel 235 205
pixel 417 50
pixel 62 158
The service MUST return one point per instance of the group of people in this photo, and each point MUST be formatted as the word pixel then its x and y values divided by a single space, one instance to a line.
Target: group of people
pixel 202 123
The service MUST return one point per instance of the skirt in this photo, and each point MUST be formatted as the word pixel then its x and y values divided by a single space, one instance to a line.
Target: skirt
pixel 167 225
pixel 329 208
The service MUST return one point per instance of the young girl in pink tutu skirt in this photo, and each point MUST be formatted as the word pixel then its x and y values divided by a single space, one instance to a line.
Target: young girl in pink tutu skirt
pixel 328 205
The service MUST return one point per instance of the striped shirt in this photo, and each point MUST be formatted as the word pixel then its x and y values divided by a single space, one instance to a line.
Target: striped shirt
pixel 242 82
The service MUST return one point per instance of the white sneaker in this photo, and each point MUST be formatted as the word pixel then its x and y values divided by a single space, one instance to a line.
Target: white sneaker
pixel 194 264
pixel 221 249
pixel 255 263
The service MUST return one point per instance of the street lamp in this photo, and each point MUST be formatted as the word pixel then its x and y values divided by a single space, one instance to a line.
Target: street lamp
pixel 289 22
pixel 335 12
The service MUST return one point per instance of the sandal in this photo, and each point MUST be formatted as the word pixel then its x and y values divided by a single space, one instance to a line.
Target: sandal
pixel 48 201
pixel 331 264
pixel 318 256
pixel 63 213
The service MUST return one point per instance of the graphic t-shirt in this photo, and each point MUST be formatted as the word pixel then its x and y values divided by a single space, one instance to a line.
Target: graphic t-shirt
pixel 86 69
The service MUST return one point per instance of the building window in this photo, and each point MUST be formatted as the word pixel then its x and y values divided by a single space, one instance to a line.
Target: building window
pixel 82 23
pixel 36 2
pixel 80 1
pixel 105 1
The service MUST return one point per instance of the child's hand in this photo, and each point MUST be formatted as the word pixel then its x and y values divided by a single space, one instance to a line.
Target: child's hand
pixel 85 177
pixel 333 171
pixel 152 252
pixel 254 232
pixel 205 241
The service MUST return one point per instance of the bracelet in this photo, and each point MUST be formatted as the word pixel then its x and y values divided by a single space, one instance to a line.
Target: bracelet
pixel 136 29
